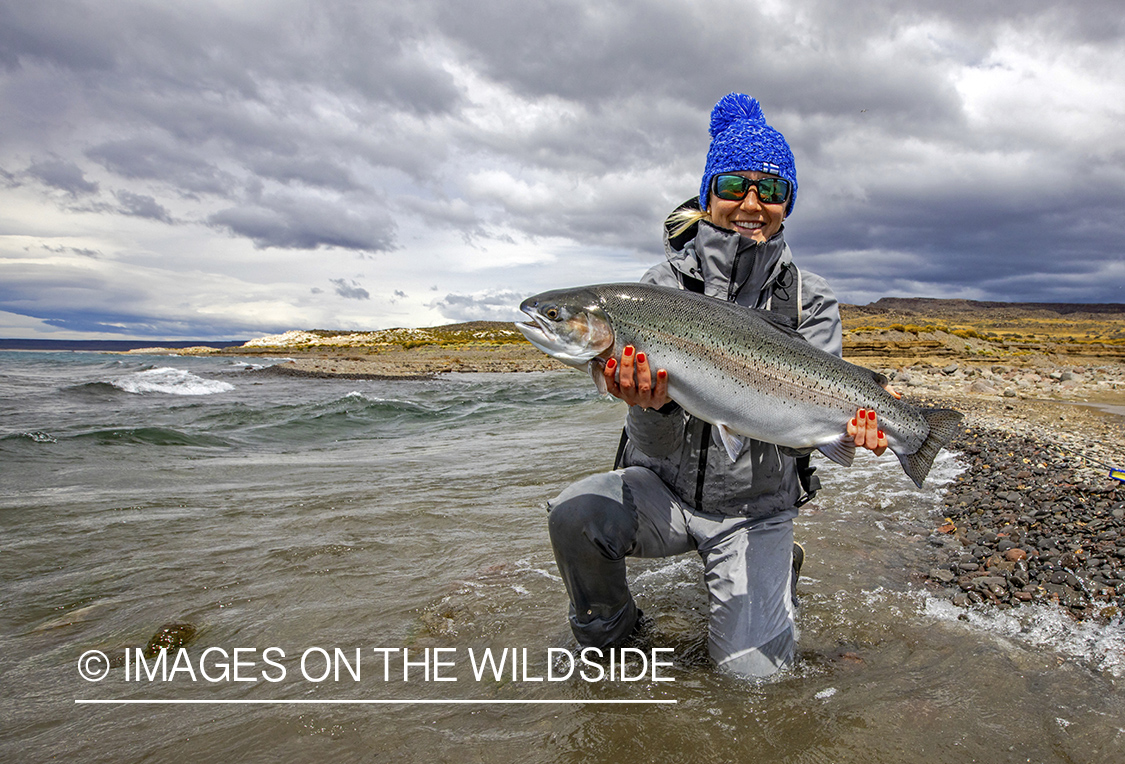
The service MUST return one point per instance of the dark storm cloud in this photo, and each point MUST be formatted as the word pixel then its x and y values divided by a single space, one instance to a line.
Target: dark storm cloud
pixel 82 299
pixel 182 169
pixel 306 222
pixel 369 126
pixel 879 72
pixel 202 99
pixel 81 251
pixel 139 205
pixel 369 48
pixel 129 324
pixel 693 53
pixel 26 34
pixel 313 172
pixel 681 60
pixel 63 175
pixel 350 289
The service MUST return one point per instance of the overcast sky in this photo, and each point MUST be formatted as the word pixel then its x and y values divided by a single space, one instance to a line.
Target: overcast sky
pixel 226 169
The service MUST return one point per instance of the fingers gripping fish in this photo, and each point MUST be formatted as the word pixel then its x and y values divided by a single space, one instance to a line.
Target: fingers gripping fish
pixel 743 370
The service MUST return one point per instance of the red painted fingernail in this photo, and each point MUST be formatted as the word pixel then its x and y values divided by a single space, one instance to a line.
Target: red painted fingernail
pixel 628 351
pixel 855 423
pixel 870 414
pixel 611 363
pixel 881 435
pixel 862 413
pixel 640 357
pixel 661 374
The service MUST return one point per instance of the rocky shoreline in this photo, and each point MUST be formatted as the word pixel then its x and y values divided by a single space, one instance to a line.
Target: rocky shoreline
pixel 414 363
pixel 1035 517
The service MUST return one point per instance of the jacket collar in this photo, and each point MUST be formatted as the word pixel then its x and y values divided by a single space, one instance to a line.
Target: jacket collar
pixel 731 267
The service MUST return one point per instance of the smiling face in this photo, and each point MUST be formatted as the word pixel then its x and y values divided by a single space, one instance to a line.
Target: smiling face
pixel 749 217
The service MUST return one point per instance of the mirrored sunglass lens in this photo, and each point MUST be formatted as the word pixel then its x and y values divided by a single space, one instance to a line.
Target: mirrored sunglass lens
pixel 731 187
pixel 773 190
pixel 735 188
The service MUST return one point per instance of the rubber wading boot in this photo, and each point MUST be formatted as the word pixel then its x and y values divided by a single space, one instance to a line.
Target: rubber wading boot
pixel 641 633
pixel 798 561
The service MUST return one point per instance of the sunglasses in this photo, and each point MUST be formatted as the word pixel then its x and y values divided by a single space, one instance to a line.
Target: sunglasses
pixel 734 188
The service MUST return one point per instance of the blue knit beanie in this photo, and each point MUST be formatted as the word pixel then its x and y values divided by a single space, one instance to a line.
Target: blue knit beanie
pixel 741 140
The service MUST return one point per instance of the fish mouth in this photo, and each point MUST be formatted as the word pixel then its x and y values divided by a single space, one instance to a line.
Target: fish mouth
pixel 532 332
pixel 537 327
pixel 537 331
pixel 544 335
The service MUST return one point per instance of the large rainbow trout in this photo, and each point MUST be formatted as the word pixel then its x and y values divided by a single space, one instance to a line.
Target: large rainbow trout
pixel 743 370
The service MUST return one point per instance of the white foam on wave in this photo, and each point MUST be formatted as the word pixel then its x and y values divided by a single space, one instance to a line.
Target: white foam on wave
pixel 369 398
pixel 357 395
pixel 1044 627
pixel 671 569
pixel 170 382
pixel 526 565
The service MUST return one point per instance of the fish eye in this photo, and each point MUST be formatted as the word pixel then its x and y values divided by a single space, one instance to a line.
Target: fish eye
pixel 551 313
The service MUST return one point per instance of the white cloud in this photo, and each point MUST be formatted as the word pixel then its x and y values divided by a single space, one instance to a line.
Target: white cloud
pixel 487 305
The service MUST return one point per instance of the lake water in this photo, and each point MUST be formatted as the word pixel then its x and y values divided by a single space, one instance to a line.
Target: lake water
pixel 310 516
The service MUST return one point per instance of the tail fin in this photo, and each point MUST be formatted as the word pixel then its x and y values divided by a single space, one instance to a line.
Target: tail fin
pixel 943 426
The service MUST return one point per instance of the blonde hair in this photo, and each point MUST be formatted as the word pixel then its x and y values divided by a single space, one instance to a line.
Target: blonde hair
pixel 684 218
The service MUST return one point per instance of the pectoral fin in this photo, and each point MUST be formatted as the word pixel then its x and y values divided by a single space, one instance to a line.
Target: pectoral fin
pixel 597 375
pixel 733 443
pixel 841 450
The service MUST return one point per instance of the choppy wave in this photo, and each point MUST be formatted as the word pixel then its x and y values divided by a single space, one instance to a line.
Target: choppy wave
pixel 94 392
pixel 153 436
pixel 350 415
pixel 386 412
pixel 146 436
pixel 35 436
pixel 106 403
pixel 170 382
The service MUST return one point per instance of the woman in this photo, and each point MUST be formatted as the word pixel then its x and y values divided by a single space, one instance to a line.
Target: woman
pixel 676 489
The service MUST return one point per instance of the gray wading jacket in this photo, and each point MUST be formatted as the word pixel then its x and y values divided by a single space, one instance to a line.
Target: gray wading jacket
pixel 684 451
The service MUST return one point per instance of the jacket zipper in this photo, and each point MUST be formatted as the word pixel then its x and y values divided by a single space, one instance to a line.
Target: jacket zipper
pixel 701 467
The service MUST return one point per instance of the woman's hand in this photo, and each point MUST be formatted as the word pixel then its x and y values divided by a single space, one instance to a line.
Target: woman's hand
pixel 864 428
pixel 631 381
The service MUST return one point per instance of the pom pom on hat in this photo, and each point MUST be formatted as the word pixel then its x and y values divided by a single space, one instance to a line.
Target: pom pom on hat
pixel 733 107
pixel 741 140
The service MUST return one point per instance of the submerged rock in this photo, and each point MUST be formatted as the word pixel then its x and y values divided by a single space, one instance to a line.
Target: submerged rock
pixel 172 636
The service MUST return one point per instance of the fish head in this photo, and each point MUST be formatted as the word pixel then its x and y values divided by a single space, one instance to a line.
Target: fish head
pixel 568 324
